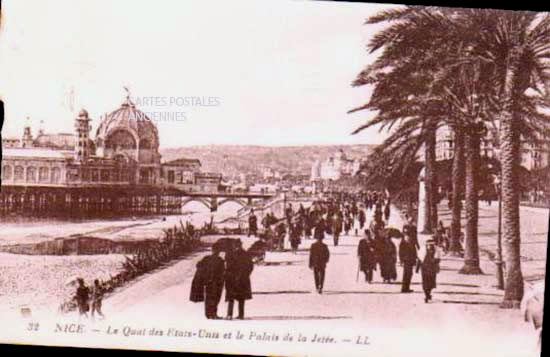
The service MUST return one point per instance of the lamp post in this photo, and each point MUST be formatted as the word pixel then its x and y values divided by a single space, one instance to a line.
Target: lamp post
pixel 500 273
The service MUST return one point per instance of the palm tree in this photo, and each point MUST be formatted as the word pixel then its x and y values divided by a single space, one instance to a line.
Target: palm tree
pixel 446 82
pixel 404 89
pixel 520 47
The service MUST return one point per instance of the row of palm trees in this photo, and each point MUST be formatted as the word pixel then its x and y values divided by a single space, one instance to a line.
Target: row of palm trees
pixel 470 70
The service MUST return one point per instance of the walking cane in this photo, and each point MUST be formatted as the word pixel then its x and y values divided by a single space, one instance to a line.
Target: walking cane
pixel 357 275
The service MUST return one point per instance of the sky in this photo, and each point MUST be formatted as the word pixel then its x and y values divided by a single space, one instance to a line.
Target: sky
pixel 256 72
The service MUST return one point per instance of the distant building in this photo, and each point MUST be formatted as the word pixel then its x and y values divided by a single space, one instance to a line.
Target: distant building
pixel 124 152
pixel 11 142
pixel 334 167
pixel 532 156
pixel 269 173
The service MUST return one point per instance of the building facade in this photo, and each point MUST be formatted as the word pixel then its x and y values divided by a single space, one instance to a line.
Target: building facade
pixel 334 167
pixel 125 151
pixel 119 170
pixel 533 156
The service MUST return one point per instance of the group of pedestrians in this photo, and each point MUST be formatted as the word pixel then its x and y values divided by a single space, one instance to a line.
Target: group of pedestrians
pixel 378 250
pixel 87 298
pixel 213 273
pixel 375 251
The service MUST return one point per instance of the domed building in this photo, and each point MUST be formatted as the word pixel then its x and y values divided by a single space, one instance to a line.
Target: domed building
pixel 125 151
pixel 130 138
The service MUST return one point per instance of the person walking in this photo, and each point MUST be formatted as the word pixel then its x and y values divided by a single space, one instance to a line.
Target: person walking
pixel 207 285
pixel 348 223
pixel 387 211
pixel 365 253
pixel 288 214
pixel 430 268
pixel 336 228
pixel 389 260
pixel 97 299
pixel 408 258
pixel 318 258
pixel 239 266
pixel 252 224
pixel 294 237
pixel 320 229
pixel 362 218
pixel 82 298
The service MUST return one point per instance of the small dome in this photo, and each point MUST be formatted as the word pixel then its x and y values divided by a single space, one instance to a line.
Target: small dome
pixel 82 113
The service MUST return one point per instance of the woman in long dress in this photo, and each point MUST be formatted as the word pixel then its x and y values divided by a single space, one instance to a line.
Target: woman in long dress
pixel 388 265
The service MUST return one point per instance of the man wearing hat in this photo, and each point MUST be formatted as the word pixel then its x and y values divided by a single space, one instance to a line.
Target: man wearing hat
pixel 239 266
pixel 430 268
pixel 365 253
pixel 408 258
pixel 318 259
pixel 207 284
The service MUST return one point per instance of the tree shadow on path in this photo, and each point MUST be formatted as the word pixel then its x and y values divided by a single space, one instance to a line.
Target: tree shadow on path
pixel 284 263
pixel 281 292
pixel 298 318
pixel 469 302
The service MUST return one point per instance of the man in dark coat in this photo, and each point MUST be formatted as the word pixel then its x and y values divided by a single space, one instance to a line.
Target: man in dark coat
pixel 239 266
pixel 336 228
pixel 409 228
pixel 362 218
pixel 387 211
pixel 294 237
pixel 408 258
pixel 319 232
pixel 430 268
pixel 318 259
pixel 252 224
pixel 288 214
pixel 207 285
pixel 82 298
pixel 365 253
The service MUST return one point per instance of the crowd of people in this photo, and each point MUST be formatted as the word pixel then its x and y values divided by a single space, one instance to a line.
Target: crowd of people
pixel 345 214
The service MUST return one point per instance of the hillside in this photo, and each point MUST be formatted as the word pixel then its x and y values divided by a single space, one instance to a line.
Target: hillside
pixel 236 159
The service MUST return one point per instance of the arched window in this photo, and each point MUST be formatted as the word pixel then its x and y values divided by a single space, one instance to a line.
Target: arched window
pixel 19 173
pixel 115 175
pixel 144 144
pixel 56 174
pixel 31 174
pixel 120 139
pixel 104 175
pixel 6 172
pixel 43 173
pixel 85 174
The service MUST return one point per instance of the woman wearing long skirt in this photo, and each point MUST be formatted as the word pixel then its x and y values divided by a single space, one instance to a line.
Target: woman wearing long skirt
pixel 388 267
pixel 430 267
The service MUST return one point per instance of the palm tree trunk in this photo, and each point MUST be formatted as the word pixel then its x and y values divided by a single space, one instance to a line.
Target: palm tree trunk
pixel 429 180
pixel 431 140
pixel 471 249
pixel 458 186
pixel 511 236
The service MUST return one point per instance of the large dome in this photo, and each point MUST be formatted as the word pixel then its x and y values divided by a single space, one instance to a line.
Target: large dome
pixel 128 120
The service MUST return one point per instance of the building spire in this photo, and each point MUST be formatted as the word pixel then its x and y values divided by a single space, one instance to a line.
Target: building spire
pixel 128 101
pixel 41 127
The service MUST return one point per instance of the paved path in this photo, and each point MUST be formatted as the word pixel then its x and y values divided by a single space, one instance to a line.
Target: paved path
pixel 463 318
